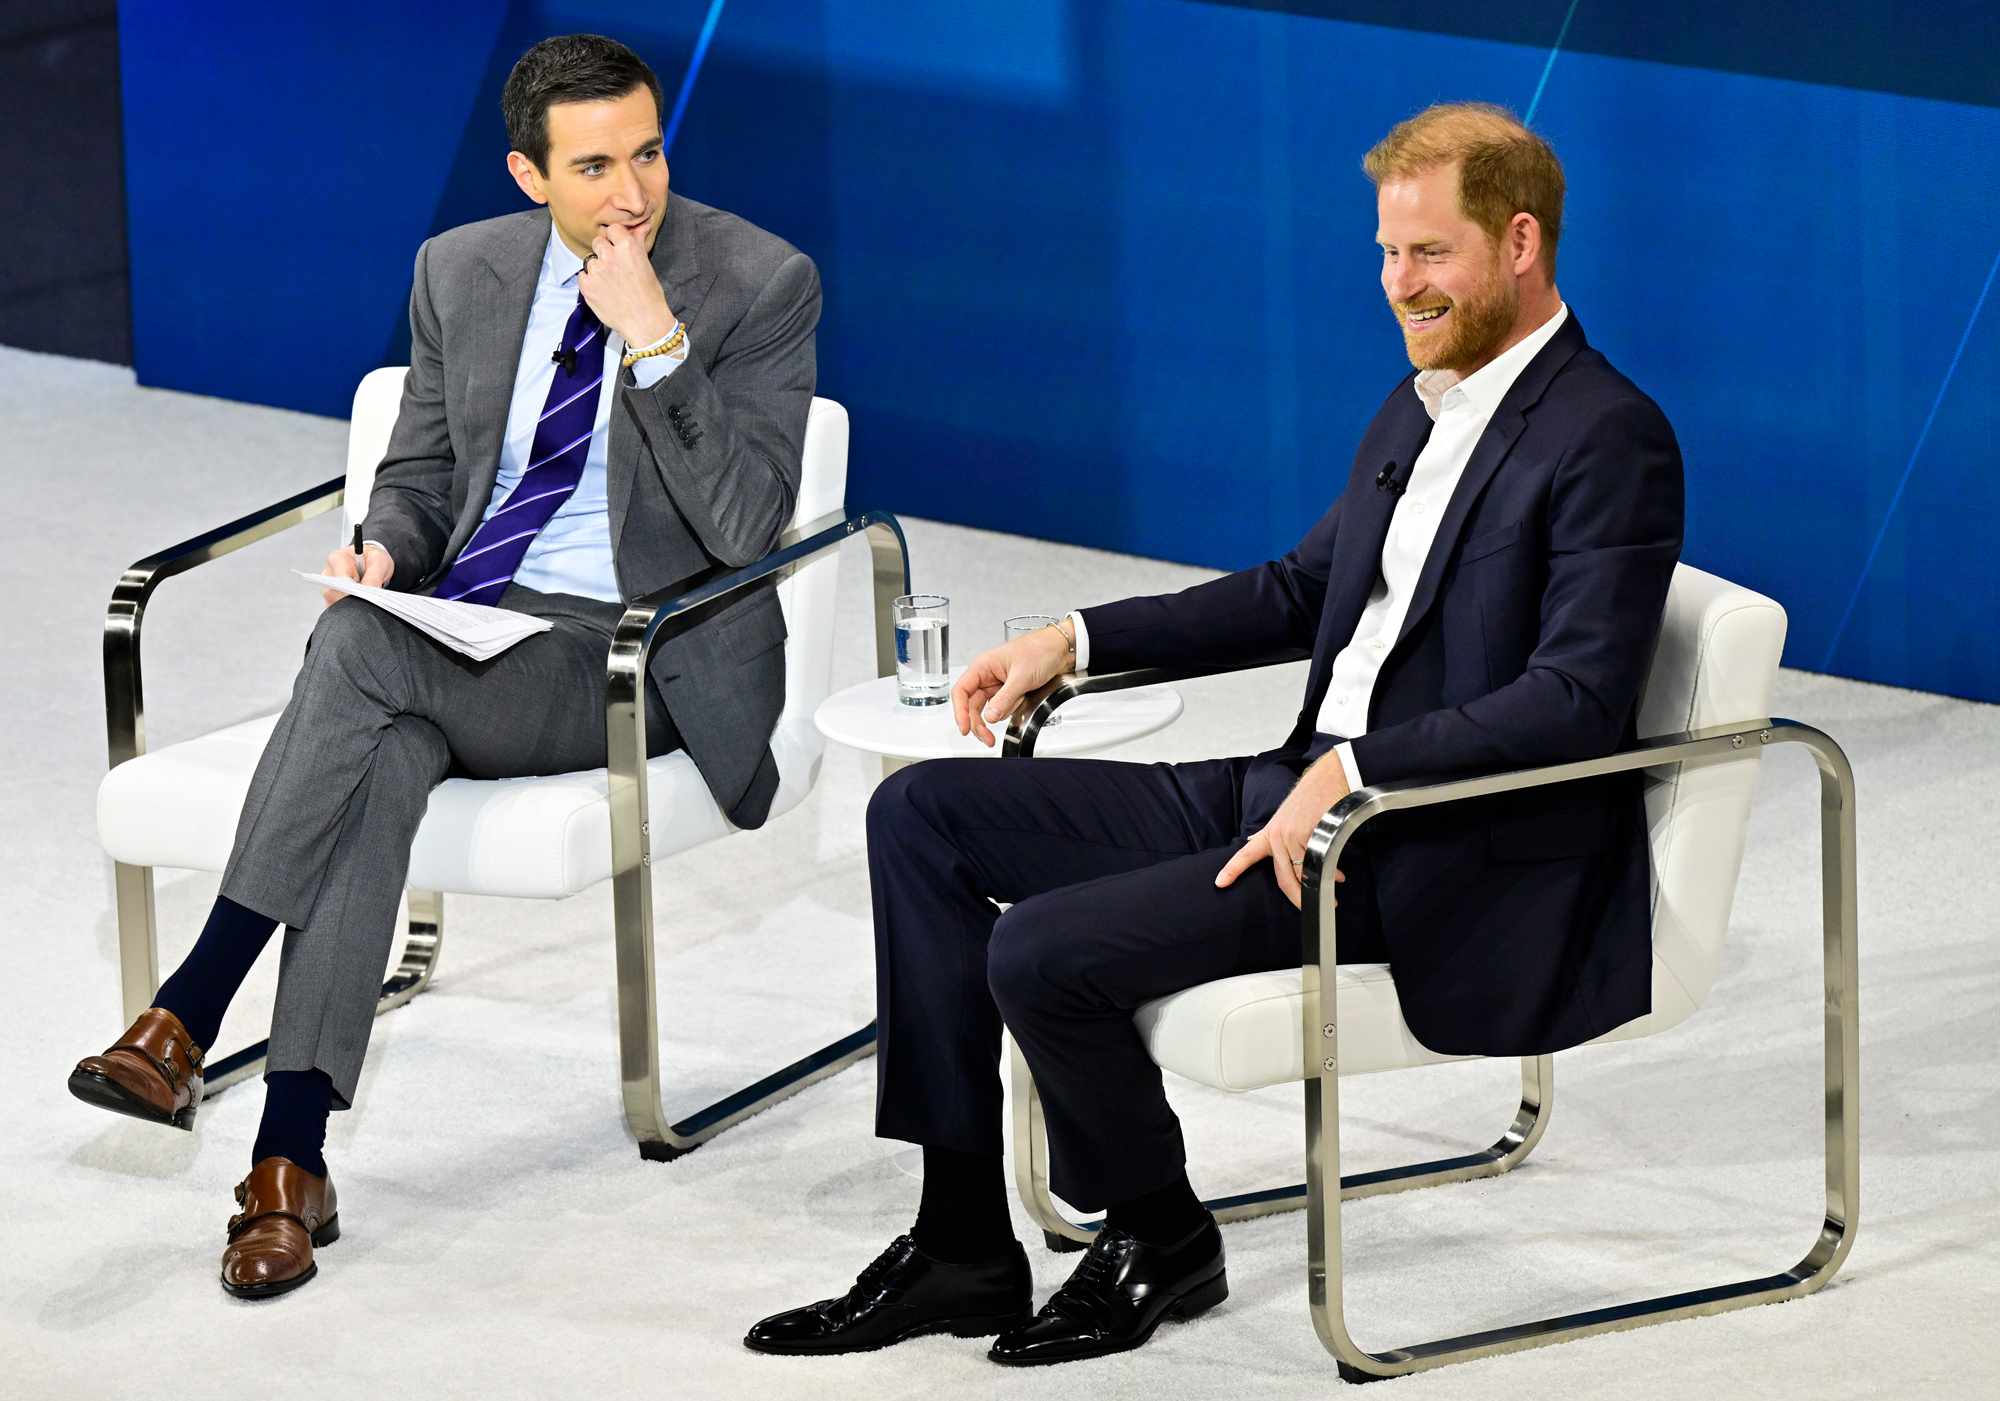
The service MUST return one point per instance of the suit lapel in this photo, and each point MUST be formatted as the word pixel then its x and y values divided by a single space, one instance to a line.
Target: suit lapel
pixel 1487 455
pixel 500 311
pixel 1364 525
pixel 686 281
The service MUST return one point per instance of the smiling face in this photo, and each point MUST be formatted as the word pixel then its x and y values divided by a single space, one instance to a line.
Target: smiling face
pixel 605 168
pixel 1455 292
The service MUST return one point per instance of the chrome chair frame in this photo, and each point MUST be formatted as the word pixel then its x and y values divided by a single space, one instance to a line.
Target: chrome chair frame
pixel 1320 1026
pixel 125 726
pixel 646 624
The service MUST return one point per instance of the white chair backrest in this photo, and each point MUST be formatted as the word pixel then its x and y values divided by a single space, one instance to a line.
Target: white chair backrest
pixel 1716 664
pixel 807 596
pixel 376 400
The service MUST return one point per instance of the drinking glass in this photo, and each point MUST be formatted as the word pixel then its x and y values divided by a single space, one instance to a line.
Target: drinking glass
pixel 923 649
pixel 1025 623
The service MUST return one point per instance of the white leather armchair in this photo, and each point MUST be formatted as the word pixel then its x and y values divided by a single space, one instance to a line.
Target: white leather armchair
pixel 1704 703
pixel 534 838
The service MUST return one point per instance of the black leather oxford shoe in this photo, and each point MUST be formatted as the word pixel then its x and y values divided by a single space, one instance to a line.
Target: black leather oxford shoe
pixel 1118 1295
pixel 905 1294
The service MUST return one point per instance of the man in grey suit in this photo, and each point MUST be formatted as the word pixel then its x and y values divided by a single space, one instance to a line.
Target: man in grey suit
pixel 606 395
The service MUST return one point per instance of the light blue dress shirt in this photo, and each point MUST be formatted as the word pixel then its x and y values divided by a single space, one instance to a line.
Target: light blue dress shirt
pixel 572 554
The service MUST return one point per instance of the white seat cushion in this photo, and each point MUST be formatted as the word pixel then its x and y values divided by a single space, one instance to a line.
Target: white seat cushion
pixel 536 838
pixel 1244 1033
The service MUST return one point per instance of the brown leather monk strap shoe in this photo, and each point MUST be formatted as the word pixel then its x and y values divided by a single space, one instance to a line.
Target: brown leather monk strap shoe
pixel 286 1212
pixel 153 1072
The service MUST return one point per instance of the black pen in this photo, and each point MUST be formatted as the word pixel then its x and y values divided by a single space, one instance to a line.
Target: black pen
pixel 358 570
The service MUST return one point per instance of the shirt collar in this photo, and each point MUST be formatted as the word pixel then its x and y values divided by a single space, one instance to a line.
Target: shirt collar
pixel 559 265
pixel 1484 388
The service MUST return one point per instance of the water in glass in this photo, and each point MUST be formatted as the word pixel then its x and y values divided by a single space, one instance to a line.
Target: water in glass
pixel 923 660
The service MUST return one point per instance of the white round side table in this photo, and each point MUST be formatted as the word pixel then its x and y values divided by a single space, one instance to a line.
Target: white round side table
pixel 868 717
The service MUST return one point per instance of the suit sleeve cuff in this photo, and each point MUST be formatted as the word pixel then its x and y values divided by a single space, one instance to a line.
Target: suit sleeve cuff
pixel 1082 642
pixel 402 547
pixel 1349 767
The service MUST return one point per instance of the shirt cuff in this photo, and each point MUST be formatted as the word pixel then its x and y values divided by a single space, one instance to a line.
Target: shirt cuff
pixel 654 368
pixel 1347 766
pixel 1082 642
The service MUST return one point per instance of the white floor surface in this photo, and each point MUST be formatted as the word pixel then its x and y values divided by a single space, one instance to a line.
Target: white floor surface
pixel 503 1237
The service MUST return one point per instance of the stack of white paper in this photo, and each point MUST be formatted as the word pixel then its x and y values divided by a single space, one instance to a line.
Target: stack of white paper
pixel 472 628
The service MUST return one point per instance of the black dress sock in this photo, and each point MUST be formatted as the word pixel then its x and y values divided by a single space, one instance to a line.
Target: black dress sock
pixel 1164 1216
pixel 200 989
pixel 963 1215
pixel 296 1103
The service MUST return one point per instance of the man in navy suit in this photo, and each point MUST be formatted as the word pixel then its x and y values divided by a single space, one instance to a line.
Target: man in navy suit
pixel 1484 595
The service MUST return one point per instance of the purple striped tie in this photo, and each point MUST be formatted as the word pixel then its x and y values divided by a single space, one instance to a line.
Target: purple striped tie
pixel 486 565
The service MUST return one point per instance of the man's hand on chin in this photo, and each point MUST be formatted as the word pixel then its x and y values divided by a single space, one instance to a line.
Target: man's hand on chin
pixel 1282 841
pixel 621 288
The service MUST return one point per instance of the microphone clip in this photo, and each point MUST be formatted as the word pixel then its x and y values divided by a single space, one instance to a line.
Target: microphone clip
pixel 1387 480
pixel 565 357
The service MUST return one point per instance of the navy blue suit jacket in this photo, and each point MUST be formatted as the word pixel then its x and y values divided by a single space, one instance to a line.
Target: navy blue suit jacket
pixel 1518 924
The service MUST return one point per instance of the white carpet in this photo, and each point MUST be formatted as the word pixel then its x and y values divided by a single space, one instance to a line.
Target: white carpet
pixel 503 1238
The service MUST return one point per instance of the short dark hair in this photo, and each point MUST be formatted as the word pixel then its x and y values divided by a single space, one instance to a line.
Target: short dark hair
pixel 567 68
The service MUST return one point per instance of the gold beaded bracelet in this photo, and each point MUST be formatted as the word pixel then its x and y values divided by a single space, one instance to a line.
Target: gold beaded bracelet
pixel 666 347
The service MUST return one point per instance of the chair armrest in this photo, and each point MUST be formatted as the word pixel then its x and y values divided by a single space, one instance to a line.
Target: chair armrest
pixel 124 692
pixel 645 625
pixel 1341 821
pixel 1032 715
pixel 652 620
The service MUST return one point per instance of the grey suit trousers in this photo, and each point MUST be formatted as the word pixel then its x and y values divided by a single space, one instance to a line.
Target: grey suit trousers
pixel 379 715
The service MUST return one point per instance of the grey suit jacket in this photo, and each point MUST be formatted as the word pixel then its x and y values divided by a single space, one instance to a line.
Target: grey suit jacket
pixel 703 468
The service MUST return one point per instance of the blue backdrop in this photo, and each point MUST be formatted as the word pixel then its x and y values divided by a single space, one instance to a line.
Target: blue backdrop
pixel 1103 272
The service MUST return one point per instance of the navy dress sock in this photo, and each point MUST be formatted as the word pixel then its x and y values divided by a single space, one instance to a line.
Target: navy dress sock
pixel 962 1216
pixel 1162 1216
pixel 200 989
pixel 296 1103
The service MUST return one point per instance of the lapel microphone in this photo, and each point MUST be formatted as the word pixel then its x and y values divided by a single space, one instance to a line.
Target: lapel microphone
pixel 566 357
pixel 1388 479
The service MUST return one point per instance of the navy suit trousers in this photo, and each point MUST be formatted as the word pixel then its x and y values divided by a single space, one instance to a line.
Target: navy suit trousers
pixel 1109 869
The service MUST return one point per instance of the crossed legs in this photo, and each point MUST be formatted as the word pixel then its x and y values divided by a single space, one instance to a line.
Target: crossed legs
pixel 379 714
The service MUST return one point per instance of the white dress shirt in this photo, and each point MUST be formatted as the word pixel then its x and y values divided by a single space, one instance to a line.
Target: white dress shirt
pixel 1460 409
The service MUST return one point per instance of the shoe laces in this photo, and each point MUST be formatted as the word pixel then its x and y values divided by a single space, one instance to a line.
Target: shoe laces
pixel 1088 1294
pixel 878 1268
